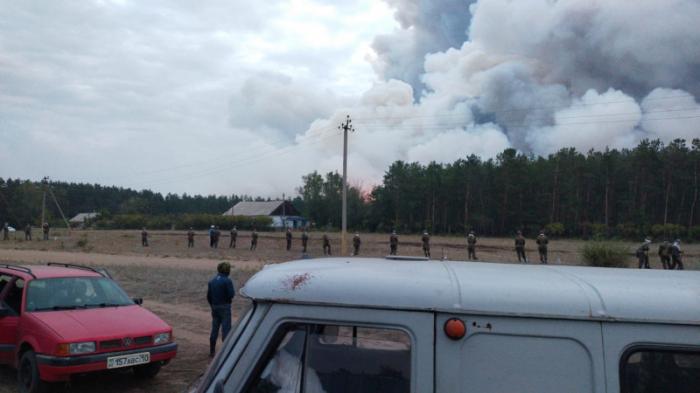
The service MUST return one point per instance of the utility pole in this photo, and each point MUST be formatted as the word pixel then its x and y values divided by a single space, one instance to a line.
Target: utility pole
pixel 44 181
pixel 347 126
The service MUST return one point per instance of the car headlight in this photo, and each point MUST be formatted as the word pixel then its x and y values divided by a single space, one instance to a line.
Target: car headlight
pixel 161 338
pixel 81 348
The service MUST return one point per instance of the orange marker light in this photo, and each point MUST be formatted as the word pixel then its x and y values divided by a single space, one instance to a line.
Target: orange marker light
pixel 455 328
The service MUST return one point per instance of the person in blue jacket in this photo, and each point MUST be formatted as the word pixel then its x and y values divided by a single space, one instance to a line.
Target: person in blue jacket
pixel 220 295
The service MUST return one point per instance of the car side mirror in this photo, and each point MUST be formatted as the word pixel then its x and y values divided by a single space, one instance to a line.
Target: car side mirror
pixel 138 300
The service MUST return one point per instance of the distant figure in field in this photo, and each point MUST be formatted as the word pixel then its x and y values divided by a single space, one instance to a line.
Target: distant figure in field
pixel 45 229
pixel 190 238
pixel 234 237
pixel 288 236
pixel 356 242
pixel 6 231
pixel 642 254
pixel 211 236
pixel 253 240
pixel 217 236
pixel 426 244
pixel 471 246
pixel 393 243
pixel 28 232
pixel 665 254
pixel 326 245
pixel 304 240
pixel 520 247
pixel 542 242
pixel 144 237
pixel 676 254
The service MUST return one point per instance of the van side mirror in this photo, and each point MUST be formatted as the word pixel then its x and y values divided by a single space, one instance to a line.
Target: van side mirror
pixel 138 300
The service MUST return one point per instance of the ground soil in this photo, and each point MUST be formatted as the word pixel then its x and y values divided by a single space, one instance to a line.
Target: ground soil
pixel 172 280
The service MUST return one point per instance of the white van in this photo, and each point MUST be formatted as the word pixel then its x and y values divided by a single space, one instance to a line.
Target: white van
pixel 349 325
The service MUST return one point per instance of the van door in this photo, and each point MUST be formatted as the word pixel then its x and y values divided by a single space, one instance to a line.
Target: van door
pixel 314 349
pixel 524 355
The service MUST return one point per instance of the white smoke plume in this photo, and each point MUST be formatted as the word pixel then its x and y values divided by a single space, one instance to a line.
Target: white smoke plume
pixel 467 77
pixel 537 75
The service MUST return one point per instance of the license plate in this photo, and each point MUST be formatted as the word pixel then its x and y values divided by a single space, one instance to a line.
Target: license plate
pixel 128 360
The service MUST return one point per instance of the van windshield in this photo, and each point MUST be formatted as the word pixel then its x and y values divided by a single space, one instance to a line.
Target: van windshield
pixel 70 293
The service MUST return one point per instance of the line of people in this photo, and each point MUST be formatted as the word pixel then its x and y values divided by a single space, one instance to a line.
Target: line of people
pixel 45 227
pixel 670 254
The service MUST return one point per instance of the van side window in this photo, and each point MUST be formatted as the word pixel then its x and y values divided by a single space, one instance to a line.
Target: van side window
pixel 337 359
pixel 660 371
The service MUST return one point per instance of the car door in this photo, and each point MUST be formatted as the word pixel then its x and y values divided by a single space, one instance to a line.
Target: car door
pixel 11 293
pixel 315 349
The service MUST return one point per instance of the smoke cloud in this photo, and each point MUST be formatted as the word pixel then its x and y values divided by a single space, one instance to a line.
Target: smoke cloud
pixel 464 77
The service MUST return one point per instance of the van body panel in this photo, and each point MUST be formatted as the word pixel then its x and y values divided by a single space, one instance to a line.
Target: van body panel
pixel 499 354
pixel 538 291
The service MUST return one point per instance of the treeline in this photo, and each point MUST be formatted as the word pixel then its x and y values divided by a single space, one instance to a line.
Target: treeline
pixel 21 203
pixel 181 222
pixel 650 190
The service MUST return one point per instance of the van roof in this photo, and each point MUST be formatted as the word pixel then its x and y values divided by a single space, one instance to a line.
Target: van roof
pixel 543 291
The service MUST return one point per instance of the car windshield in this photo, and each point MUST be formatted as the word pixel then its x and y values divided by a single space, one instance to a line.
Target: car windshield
pixel 69 293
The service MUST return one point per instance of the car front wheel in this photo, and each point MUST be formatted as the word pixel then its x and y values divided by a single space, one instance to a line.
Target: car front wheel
pixel 28 374
pixel 149 370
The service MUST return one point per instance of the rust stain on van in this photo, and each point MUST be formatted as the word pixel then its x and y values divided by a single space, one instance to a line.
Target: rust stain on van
pixel 294 282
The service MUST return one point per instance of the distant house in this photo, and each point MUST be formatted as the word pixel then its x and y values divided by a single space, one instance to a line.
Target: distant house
pixel 283 213
pixel 82 219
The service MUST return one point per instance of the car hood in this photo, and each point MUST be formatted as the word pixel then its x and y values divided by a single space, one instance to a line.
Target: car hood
pixel 102 323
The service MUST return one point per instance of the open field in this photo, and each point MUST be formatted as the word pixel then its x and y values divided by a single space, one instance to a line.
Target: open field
pixel 172 280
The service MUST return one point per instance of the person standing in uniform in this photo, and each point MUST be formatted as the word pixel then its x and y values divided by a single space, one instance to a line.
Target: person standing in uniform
pixel 234 237
pixel 520 247
pixel 665 254
pixel 304 240
pixel 28 232
pixel 217 235
pixel 426 244
pixel 220 294
pixel 288 237
pixel 6 231
pixel 471 246
pixel 643 254
pixel 144 237
pixel 326 245
pixel 356 244
pixel 393 243
pixel 211 236
pixel 253 240
pixel 676 254
pixel 190 238
pixel 45 229
pixel 542 242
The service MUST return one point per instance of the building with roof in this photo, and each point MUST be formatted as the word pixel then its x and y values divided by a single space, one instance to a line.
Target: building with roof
pixel 282 213
pixel 83 219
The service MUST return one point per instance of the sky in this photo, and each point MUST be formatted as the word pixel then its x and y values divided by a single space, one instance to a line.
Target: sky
pixel 239 97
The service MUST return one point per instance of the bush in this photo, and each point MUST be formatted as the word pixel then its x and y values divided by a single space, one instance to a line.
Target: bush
pixel 668 231
pixel 694 233
pixel 555 229
pixel 604 254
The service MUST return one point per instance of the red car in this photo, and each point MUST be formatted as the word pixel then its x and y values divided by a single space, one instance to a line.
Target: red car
pixel 59 320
